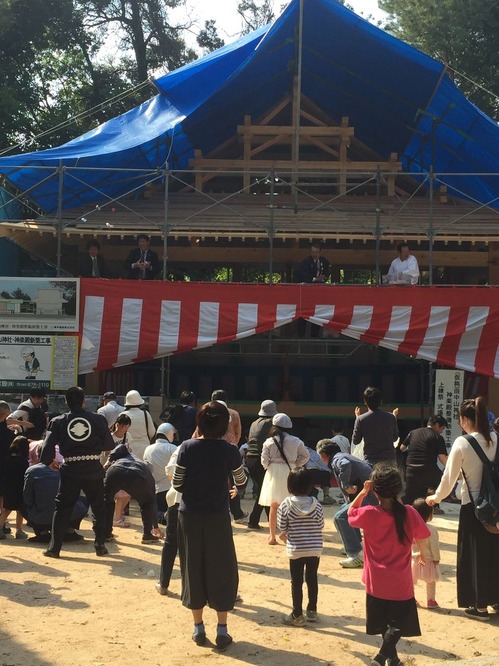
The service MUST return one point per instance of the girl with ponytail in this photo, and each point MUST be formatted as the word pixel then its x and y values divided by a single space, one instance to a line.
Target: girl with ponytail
pixel 477 572
pixel 389 531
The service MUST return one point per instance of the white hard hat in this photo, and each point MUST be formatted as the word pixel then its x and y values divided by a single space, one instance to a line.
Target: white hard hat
pixel 167 430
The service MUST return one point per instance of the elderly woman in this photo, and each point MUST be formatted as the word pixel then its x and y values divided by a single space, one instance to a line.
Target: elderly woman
pixel 207 555
pixel 477 571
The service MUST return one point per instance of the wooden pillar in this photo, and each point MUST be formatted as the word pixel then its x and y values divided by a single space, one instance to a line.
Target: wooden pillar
pixel 246 154
pixel 344 143
pixel 494 263
pixel 391 177
pixel 198 177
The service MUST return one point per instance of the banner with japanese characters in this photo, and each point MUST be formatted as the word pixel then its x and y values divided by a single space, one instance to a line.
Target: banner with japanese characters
pixel 448 397
pixel 44 361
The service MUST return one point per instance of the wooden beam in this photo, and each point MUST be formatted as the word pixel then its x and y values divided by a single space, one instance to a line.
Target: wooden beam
pixel 306 130
pixel 270 115
pixel 317 165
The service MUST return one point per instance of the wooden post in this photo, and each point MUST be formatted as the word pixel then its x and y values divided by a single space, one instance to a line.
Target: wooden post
pixel 494 264
pixel 247 154
pixel 344 143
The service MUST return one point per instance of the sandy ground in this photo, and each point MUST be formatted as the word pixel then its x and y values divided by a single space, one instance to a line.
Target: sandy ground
pixel 82 610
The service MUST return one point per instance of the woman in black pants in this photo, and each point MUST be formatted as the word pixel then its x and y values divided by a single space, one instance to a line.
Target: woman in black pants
pixel 207 555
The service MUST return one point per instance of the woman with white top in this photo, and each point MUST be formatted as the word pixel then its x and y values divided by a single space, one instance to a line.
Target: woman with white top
pixel 142 429
pixel 281 453
pixel 477 549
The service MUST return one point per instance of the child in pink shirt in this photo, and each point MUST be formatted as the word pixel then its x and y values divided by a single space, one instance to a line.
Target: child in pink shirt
pixel 389 531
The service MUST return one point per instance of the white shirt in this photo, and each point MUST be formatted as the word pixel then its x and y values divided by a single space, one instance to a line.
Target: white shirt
pixel 343 442
pixel 141 437
pixel 172 496
pixel 294 449
pixel 158 456
pixel 462 456
pixel 111 411
pixel 404 272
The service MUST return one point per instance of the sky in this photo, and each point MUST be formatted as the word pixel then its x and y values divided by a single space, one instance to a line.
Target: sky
pixel 229 22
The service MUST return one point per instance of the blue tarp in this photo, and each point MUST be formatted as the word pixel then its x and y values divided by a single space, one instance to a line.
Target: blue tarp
pixel 398 99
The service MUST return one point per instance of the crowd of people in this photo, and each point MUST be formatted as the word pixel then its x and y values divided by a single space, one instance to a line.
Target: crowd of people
pixel 188 474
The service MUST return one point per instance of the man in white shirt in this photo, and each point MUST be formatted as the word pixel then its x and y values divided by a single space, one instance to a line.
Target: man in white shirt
pixel 339 438
pixel 157 456
pixel 111 410
pixel 404 269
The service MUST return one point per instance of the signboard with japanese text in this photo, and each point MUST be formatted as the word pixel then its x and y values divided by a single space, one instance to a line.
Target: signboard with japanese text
pixel 39 305
pixel 448 398
pixel 64 362
pixel 45 361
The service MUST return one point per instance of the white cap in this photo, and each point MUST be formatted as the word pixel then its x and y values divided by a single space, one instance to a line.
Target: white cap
pixel 167 430
pixel 282 421
pixel 133 399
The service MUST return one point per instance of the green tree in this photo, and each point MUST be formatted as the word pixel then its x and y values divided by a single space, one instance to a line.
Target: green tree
pixel 255 14
pixel 208 38
pixel 144 30
pixel 460 33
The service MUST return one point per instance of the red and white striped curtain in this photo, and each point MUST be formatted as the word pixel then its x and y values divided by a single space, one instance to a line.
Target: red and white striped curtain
pixel 125 321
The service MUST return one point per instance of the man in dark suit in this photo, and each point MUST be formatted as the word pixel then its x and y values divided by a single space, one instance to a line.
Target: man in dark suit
pixel 314 270
pixel 142 263
pixel 92 264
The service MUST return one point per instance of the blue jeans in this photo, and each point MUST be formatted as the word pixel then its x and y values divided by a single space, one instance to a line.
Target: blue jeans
pixel 350 536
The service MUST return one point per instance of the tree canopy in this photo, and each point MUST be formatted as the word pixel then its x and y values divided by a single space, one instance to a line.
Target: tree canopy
pixel 460 33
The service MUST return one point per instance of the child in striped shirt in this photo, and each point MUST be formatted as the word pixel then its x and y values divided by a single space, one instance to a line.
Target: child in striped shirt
pixel 300 520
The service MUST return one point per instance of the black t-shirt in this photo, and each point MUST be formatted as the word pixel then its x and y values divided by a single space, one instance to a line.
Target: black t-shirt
pixel 208 464
pixel 424 445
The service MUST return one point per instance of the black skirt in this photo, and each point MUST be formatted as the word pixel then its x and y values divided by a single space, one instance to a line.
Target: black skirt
pixel 477 562
pixel 207 560
pixel 384 613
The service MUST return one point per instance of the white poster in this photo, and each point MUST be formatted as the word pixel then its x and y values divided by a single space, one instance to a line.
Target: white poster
pixel 39 305
pixel 45 361
pixel 25 361
pixel 448 398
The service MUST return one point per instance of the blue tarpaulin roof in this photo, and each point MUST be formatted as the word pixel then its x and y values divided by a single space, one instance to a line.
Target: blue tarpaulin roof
pixel 398 99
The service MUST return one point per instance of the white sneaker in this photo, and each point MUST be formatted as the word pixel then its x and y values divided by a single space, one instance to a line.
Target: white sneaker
pixel 356 562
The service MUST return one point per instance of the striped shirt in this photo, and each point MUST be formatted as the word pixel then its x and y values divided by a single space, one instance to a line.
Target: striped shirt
pixel 302 519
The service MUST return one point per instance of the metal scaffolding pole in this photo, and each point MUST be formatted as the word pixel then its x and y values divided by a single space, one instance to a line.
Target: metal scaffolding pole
pixel 164 388
pixel 378 226
pixel 60 172
pixel 166 226
pixel 431 231
pixel 271 227
pixel 297 103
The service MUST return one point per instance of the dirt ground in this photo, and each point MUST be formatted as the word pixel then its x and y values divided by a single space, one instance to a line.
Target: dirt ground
pixel 82 610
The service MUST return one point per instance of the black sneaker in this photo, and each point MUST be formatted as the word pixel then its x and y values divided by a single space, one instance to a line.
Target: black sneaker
pixel 476 614
pixel 223 641
pixel 100 551
pixel 150 538
pixel 6 530
pixel 51 553
pixel 254 527
pixel 199 639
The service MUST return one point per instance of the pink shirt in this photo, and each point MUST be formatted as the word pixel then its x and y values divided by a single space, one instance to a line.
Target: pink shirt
pixel 387 562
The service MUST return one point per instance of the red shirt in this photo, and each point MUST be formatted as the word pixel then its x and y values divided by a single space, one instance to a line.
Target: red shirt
pixel 387 562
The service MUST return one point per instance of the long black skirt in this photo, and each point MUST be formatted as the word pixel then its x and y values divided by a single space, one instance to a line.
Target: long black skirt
pixel 207 560
pixel 384 613
pixel 477 562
